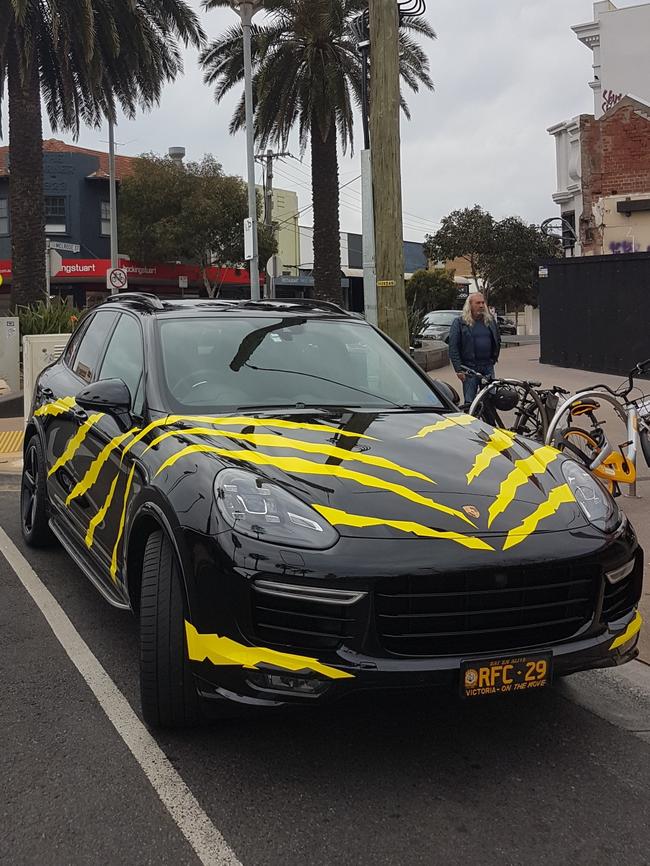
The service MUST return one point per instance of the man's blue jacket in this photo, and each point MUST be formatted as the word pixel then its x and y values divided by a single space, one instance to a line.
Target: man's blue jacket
pixel 461 344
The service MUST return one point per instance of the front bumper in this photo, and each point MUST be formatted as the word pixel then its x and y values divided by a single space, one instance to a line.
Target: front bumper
pixel 271 684
pixel 271 662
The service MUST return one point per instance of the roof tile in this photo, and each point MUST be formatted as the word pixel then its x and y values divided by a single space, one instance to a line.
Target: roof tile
pixel 124 165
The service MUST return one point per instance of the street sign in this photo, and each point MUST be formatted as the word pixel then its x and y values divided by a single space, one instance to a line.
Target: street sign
pixel 183 282
pixel 56 262
pixel 274 266
pixel 248 239
pixel 117 280
pixel 65 248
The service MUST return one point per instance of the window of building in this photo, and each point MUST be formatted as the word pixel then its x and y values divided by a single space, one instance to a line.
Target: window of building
pixel 4 216
pixel 55 215
pixel 106 218
pixel 569 229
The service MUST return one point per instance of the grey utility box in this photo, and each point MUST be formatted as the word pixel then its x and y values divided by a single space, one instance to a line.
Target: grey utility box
pixel 10 355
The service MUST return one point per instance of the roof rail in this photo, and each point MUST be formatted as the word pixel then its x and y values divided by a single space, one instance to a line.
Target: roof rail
pixel 140 299
pixel 299 303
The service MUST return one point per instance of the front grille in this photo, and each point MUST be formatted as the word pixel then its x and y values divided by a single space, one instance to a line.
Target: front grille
pixel 301 623
pixel 485 611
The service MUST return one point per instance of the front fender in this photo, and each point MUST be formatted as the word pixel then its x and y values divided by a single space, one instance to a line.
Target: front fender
pixel 152 510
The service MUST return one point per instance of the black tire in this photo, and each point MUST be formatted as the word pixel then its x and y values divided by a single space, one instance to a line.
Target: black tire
pixel 167 687
pixel 34 504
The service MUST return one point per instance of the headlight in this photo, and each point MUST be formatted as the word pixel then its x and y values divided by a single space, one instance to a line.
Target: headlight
pixel 597 505
pixel 263 510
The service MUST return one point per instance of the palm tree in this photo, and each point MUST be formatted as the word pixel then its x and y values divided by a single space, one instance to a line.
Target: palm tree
pixel 84 58
pixel 307 74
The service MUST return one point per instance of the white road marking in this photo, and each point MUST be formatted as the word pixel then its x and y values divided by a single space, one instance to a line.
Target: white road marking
pixel 208 843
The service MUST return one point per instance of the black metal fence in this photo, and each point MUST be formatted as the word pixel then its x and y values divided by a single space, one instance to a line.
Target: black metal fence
pixel 595 312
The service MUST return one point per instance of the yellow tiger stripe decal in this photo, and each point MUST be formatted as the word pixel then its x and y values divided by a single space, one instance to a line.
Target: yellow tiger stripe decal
pixel 299 466
pixel 633 628
pixel 447 424
pixel 169 420
pixel 120 531
pixel 270 440
pixel 498 442
pixel 557 497
pixel 101 514
pixel 59 407
pixel 97 465
pixel 536 464
pixel 76 442
pixel 342 518
pixel 224 651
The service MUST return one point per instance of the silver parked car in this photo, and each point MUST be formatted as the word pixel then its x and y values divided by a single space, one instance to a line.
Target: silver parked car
pixel 438 324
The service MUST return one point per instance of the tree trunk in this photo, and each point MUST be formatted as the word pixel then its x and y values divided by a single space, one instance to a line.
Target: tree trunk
pixel 325 190
pixel 27 206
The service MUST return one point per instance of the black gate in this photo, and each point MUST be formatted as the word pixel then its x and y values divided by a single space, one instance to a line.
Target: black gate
pixel 595 312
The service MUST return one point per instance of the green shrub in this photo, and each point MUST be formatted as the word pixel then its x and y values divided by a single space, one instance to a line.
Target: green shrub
pixel 39 318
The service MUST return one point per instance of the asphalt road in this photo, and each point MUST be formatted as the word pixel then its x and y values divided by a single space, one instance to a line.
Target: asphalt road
pixel 553 777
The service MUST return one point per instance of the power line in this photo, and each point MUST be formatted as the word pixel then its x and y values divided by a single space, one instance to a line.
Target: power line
pixel 310 206
pixel 428 222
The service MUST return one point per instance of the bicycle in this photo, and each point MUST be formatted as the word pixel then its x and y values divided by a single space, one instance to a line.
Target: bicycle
pixel 498 396
pixel 592 446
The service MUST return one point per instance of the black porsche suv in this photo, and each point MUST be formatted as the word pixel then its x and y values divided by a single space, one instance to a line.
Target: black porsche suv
pixel 295 510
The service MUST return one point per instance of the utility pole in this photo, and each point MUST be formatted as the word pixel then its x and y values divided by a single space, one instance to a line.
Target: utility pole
pixel 112 195
pixel 362 31
pixel 267 158
pixel 268 217
pixel 246 9
pixel 386 169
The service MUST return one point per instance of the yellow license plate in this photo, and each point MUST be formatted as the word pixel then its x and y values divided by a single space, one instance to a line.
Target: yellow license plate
pixel 502 676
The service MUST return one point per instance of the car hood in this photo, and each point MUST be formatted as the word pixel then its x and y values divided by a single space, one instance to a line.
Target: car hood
pixel 390 474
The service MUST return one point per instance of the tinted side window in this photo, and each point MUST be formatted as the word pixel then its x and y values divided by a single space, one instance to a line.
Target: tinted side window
pixel 75 339
pixel 92 344
pixel 124 358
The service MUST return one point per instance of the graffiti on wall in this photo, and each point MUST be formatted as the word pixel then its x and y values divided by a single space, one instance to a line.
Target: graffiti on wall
pixel 619 247
pixel 610 99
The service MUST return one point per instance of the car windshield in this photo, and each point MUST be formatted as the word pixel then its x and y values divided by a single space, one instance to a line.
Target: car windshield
pixel 246 363
pixel 441 318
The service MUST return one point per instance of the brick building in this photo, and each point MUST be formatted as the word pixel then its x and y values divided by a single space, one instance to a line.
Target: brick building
pixel 603 160
pixel 612 168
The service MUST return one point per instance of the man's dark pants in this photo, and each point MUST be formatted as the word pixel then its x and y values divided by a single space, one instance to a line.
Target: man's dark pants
pixel 472 383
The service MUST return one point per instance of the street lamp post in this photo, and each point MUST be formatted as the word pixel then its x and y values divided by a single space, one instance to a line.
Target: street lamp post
pixel 246 9
pixel 112 194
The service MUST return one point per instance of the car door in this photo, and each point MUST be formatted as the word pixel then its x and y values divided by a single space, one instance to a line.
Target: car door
pixel 109 482
pixel 65 424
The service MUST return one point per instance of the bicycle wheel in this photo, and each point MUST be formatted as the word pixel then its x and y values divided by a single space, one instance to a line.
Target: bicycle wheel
pixel 530 415
pixel 483 408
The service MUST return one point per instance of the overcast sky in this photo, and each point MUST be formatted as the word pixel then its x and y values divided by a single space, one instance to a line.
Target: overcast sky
pixel 504 71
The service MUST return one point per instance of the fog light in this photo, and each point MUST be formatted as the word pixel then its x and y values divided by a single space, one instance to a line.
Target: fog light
pixel 621 573
pixel 287 683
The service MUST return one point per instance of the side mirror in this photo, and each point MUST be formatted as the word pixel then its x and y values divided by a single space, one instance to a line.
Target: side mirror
pixel 449 392
pixel 108 395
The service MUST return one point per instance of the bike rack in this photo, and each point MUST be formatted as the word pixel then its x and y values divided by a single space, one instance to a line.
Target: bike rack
pixel 632 433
